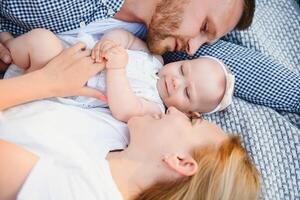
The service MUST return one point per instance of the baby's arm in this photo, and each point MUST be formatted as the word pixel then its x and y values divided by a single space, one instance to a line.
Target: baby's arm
pixel 122 102
pixel 34 49
pixel 127 40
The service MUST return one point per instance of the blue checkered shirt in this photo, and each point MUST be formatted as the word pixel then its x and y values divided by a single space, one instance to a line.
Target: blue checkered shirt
pixel 20 16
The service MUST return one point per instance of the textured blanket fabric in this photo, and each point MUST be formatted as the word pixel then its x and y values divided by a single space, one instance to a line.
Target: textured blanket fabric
pixel 272 138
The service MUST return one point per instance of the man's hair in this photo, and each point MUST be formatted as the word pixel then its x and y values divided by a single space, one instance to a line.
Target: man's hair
pixel 247 16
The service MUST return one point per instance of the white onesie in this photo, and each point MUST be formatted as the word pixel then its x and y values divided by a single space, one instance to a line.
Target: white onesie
pixel 141 70
pixel 141 73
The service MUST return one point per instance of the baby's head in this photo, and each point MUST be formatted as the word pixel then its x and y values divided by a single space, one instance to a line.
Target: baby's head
pixel 203 85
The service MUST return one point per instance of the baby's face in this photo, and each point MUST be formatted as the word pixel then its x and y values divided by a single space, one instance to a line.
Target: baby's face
pixel 192 85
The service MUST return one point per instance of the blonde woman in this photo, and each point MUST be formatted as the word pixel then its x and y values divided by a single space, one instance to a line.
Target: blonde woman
pixel 169 157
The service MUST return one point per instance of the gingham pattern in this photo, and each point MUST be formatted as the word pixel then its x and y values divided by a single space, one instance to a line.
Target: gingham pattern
pixel 283 47
pixel 20 16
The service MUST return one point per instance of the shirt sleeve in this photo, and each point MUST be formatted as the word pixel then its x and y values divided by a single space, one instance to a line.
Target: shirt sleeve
pixel 54 179
pixel 68 180
pixel 45 181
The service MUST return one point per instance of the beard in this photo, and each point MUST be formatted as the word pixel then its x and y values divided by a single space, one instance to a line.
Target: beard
pixel 166 20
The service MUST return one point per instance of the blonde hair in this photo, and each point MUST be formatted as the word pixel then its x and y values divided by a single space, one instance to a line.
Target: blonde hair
pixel 225 173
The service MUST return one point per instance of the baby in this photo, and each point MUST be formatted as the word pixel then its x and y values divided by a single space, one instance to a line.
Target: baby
pixel 135 82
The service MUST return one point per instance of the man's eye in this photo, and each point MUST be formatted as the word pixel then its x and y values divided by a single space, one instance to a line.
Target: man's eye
pixel 204 27
pixel 181 70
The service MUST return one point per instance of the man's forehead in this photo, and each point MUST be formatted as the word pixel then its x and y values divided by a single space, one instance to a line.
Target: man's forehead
pixel 219 13
pixel 226 16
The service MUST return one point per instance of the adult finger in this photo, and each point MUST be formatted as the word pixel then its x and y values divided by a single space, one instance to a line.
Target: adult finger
pixel 5 54
pixel 95 68
pixel 98 54
pixel 87 67
pixel 76 48
pixel 95 51
pixel 81 56
pixel 85 53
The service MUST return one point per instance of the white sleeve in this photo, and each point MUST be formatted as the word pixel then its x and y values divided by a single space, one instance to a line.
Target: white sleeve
pixel 45 181
pixel 55 180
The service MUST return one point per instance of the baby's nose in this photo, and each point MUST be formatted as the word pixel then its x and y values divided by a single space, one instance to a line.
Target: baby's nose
pixel 176 82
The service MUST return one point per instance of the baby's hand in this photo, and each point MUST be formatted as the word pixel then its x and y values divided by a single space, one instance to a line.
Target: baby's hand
pixel 113 54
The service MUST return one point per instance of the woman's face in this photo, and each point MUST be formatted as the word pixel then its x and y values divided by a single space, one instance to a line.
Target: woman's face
pixel 172 131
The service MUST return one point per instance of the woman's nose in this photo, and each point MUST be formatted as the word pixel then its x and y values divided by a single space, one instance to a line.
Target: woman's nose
pixel 157 116
pixel 171 110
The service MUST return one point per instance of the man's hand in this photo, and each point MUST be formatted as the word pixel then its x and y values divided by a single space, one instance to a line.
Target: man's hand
pixel 5 58
pixel 111 53
pixel 67 74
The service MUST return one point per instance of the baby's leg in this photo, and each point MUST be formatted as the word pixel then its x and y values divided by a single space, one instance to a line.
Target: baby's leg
pixel 34 49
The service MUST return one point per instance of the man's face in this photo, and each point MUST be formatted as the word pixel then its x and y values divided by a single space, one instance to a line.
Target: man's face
pixel 185 25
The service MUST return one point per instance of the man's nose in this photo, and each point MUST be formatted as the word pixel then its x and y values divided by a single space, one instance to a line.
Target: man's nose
pixel 195 43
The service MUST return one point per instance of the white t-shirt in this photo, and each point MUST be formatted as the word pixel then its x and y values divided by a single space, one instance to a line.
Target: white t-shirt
pixel 72 144
pixel 55 180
